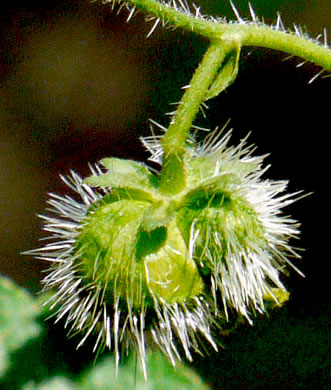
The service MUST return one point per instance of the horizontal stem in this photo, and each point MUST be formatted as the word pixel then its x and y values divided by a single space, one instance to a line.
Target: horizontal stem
pixel 290 43
pixel 245 34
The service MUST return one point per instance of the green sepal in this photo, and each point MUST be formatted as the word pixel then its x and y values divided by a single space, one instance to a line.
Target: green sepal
pixel 117 194
pixel 124 174
pixel 227 74
pixel 202 168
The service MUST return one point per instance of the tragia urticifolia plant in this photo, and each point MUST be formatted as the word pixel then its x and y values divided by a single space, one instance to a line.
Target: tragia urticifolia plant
pixel 170 253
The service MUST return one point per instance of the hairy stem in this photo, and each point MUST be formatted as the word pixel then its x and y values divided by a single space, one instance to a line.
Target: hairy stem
pixel 262 36
pixel 245 34
pixel 209 79
pixel 173 143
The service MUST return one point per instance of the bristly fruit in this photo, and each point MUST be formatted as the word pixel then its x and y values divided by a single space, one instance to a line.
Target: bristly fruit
pixel 130 259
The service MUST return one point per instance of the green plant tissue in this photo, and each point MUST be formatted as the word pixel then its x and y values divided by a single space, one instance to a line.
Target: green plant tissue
pixel 18 320
pixel 20 314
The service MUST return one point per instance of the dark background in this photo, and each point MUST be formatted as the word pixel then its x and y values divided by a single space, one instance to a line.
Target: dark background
pixel 79 84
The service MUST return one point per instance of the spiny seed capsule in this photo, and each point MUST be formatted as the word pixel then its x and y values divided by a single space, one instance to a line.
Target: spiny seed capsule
pixel 130 260
pixel 131 263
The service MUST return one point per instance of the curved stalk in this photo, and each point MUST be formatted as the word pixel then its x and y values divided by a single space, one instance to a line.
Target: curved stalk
pixel 173 143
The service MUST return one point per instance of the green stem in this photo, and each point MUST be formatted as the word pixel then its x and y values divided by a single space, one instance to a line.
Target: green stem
pixel 263 36
pixel 173 143
pixel 225 38
pixel 244 34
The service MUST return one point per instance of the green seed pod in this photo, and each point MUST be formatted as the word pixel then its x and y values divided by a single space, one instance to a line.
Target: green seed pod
pixel 131 260
pixel 132 263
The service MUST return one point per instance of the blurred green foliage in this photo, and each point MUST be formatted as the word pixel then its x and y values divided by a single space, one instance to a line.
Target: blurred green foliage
pixel 288 350
pixel 26 360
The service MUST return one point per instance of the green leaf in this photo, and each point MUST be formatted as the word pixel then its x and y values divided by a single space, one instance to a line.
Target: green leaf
pixel 18 320
pixel 57 383
pixel 124 174
pixel 161 375
pixel 3 357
